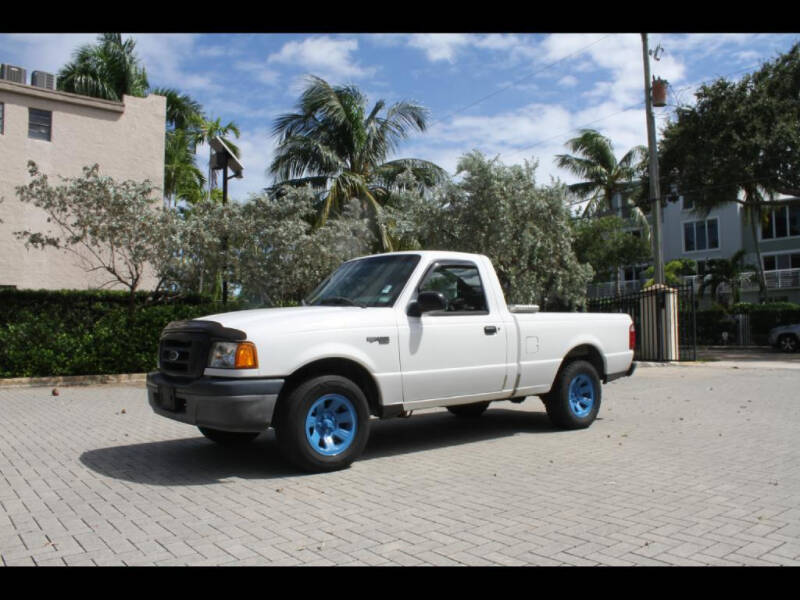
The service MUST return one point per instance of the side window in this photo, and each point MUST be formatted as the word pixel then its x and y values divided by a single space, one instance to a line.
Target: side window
pixel 460 284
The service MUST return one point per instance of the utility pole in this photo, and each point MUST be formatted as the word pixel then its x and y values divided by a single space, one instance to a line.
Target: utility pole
pixel 655 193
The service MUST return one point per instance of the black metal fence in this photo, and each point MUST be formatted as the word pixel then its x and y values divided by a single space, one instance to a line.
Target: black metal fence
pixel 655 340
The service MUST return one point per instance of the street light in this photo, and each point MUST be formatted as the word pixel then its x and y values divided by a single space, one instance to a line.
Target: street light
pixel 225 159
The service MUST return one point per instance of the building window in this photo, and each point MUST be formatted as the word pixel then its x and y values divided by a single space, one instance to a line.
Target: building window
pixel 688 203
pixel 2 118
pixel 781 222
pixel 701 235
pixel 634 273
pixel 779 262
pixel 40 123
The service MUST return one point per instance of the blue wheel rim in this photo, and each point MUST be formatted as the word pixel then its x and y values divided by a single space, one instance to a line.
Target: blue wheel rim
pixel 331 424
pixel 581 395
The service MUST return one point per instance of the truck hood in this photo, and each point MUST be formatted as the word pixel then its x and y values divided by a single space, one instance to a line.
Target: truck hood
pixel 302 318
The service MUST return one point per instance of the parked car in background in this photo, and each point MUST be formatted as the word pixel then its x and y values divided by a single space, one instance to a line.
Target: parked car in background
pixel 785 337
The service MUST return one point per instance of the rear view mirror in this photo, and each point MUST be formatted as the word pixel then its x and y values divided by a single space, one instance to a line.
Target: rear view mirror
pixel 427 302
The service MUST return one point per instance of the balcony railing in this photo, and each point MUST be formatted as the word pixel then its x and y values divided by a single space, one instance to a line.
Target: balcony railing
pixel 748 282
pixel 776 280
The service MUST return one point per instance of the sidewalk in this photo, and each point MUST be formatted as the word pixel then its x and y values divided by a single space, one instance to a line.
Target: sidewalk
pixel 752 357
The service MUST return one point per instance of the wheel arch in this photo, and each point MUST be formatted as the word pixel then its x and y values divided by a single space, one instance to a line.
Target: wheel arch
pixel 343 367
pixel 591 354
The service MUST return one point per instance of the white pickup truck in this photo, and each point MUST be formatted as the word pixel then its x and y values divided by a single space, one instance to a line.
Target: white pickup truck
pixel 382 336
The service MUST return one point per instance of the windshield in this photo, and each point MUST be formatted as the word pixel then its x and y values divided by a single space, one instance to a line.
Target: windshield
pixel 375 281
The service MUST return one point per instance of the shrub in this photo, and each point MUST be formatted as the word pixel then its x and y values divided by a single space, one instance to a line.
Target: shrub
pixel 53 333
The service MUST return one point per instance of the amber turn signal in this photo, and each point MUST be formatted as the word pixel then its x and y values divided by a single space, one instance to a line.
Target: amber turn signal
pixel 246 356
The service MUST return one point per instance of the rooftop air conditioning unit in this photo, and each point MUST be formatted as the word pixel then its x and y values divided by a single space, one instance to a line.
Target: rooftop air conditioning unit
pixel 43 80
pixel 12 73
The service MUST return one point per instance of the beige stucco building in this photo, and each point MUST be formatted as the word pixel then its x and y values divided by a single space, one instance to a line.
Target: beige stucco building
pixel 62 133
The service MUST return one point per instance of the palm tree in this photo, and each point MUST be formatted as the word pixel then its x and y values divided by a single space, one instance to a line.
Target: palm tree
pixel 340 148
pixel 206 130
pixel 182 110
pixel 108 69
pixel 604 177
pixel 182 179
pixel 725 272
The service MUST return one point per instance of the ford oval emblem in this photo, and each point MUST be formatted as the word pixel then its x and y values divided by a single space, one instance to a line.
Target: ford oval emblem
pixel 173 355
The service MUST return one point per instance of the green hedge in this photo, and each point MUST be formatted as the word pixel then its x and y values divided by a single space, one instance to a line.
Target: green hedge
pixel 45 333
pixel 763 317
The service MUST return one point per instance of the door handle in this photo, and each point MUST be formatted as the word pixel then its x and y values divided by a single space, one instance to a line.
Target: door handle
pixel 490 330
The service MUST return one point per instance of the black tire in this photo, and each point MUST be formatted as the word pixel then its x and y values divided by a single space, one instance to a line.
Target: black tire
pixel 229 438
pixel 468 410
pixel 787 343
pixel 330 397
pixel 581 410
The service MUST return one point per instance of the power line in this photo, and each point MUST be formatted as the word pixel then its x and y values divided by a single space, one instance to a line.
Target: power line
pixel 631 107
pixel 520 80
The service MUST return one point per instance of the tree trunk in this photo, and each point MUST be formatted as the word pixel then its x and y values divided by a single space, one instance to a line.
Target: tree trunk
pixel 762 281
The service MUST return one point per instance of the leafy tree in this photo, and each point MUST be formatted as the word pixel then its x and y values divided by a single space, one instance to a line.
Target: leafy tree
pixel 739 143
pixel 110 226
pixel 108 69
pixel 605 178
pixel 273 253
pixel 724 271
pixel 340 148
pixel 499 211
pixel 603 243
pixel 674 271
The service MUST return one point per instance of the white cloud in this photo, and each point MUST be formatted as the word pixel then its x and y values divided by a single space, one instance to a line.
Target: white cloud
pixel 325 56
pixel 257 70
pixel 439 46
pixel 568 81
pixel 42 52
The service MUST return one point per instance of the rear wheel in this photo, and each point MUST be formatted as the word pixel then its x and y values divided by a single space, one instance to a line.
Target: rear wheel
pixel 229 438
pixel 787 343
pixel 575 399
pixel 324 424
pixel 468 410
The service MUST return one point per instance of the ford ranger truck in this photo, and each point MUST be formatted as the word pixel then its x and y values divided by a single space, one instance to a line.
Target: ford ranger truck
pixel 382 336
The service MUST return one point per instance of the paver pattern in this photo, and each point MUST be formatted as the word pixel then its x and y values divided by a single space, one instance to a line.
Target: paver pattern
pixel 687 465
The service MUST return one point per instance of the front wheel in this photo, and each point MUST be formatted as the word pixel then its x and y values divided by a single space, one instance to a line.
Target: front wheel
pixel 575 399
pixel 787 343
pixel 324 424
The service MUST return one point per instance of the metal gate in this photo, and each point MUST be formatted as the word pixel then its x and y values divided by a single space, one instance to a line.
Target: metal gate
pixel 647 308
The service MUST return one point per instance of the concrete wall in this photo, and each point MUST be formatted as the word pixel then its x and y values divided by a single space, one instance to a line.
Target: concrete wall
pixel 126 139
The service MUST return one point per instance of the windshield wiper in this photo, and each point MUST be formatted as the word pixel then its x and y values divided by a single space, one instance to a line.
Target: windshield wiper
pixel 337 300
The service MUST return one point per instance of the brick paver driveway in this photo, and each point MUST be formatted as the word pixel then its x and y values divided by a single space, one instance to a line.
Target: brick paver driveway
pixel 686 465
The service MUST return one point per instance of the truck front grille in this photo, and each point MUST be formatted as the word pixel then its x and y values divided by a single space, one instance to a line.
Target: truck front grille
pixel 183 354
pixel 184 346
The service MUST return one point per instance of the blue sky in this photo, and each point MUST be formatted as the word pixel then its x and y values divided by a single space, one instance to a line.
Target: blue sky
pixel 519 96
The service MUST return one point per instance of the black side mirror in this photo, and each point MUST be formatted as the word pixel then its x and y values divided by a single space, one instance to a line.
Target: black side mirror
pixel 427 302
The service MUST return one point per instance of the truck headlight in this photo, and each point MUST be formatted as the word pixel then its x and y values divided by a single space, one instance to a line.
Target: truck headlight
pixel 233 355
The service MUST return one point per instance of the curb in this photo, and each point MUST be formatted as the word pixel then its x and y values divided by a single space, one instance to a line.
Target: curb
pixel 72 380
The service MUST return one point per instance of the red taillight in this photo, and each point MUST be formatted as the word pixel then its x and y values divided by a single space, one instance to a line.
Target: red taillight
pixel 632 338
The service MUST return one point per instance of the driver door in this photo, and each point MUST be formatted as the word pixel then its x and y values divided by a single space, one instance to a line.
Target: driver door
pixel 456 353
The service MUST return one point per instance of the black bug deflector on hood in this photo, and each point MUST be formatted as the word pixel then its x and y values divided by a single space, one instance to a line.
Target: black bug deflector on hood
pixel 184 346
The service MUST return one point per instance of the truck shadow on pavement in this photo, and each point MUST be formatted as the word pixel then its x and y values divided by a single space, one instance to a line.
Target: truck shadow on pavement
pixel 197 461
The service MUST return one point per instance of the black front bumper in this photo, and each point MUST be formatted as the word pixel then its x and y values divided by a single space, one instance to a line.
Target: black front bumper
pixel 215 402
